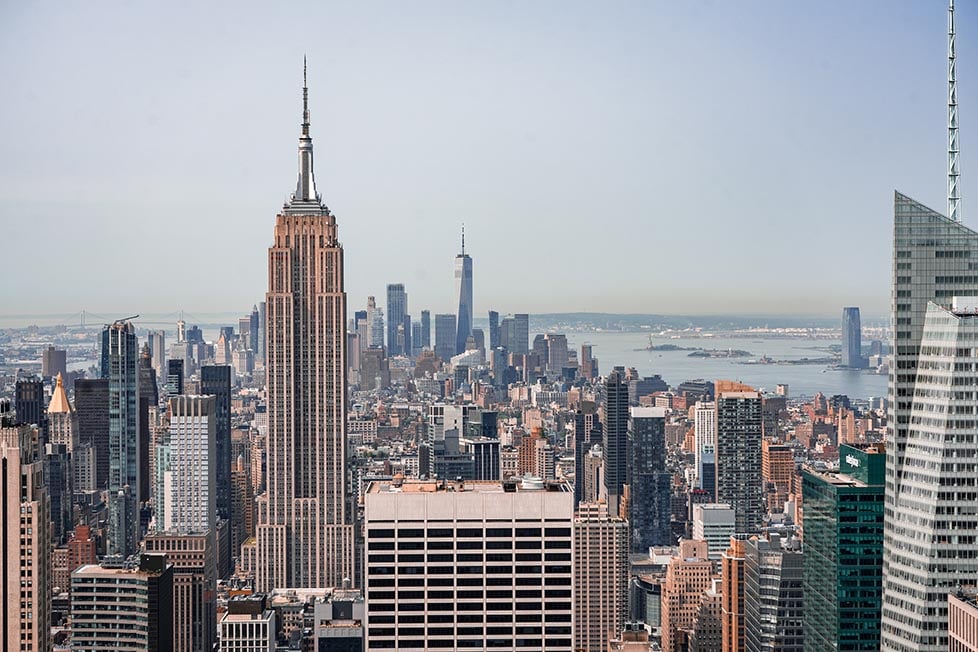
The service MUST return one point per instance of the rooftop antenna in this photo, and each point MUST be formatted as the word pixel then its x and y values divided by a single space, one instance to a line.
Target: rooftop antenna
pixel 463 238
pixel 953 198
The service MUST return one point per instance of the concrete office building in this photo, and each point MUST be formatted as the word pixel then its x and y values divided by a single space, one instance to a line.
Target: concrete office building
pixel 249 625
pixel 25 539
pixel 186 486
pixel 54 362
pixel 705 436
pixel 688 575
pixel 778 474
pixel 962 622
pixel 62 421
pixel 732 605
pixel 123 607
pixel 714 523
pixel 587 433
pixel 338 619
pixel 600 576
pixel 774 605
pixel 497 573
pixel 738 455
pixel 193 558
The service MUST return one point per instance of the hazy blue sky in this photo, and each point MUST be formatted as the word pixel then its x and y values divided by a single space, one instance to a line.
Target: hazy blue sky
pixel 694 157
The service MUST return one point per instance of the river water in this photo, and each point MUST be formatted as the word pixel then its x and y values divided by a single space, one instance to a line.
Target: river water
pixel 627 350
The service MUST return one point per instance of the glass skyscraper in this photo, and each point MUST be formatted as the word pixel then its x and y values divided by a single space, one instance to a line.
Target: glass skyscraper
pixel 649 481
pixel 852 353
pixel 934 259
pixel 931 531
pixel 397 310
pixel 463 290
pixel 844 552
pixel 120 366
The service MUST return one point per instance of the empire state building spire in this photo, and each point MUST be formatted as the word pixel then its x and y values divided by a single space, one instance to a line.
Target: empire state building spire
pixel 305 200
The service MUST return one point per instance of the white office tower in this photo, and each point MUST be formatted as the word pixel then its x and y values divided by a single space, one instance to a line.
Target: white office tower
pixel 186 486
pixel 479 565
pixel 705 435
pixel 931 538
pixel 714 523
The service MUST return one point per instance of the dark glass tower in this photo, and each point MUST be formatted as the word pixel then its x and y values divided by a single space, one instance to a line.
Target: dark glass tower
pixel 174 377
pixel 92 408
pixel 425 330
pixel 852 335
pixel 521 342
pixel 216 381
pixel 463 290
pixel 29 405
pixel 843 532
pixel 149 396
pixel 120 365
pixel 615 426
pixel 493 330
pixel 587 433
pixel 445 336
pixel 648 479
pixel 397 310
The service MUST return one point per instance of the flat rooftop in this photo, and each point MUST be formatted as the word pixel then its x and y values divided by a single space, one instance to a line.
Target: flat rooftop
pixel 835 478
pixel 412 486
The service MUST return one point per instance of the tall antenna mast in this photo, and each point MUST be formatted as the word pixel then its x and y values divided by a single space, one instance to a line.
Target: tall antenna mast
pixel 953 198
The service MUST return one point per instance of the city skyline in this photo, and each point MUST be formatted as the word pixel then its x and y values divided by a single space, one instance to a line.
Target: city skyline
pixel 592 81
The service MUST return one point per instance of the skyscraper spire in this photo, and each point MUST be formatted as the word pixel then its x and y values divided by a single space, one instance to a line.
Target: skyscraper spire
pixel 305 197
pixel 953 198
pixel 305 100
pixel 463 238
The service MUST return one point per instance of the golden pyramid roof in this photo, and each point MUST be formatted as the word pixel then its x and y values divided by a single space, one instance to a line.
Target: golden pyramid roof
pixel 59 399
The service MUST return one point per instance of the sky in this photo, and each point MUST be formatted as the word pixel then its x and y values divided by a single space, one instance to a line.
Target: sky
pixel 644 157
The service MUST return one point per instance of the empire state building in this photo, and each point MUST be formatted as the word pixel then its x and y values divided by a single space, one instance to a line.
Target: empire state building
pixel 305 531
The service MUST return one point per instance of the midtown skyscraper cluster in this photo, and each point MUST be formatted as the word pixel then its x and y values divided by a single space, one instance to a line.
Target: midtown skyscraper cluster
pixel 313 479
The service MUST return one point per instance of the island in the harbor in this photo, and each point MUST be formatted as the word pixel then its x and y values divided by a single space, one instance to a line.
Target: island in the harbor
pixel 720 353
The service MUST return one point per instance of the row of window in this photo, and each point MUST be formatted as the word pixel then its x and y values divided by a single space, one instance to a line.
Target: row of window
pixel 421 644
pixel 462 533
pixel 390 558
pixel 507 607
pixel 478 594
pixel 502 544
pixel 508 619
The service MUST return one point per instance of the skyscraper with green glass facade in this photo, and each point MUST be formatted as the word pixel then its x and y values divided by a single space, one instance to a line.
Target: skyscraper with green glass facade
pixel 843 528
